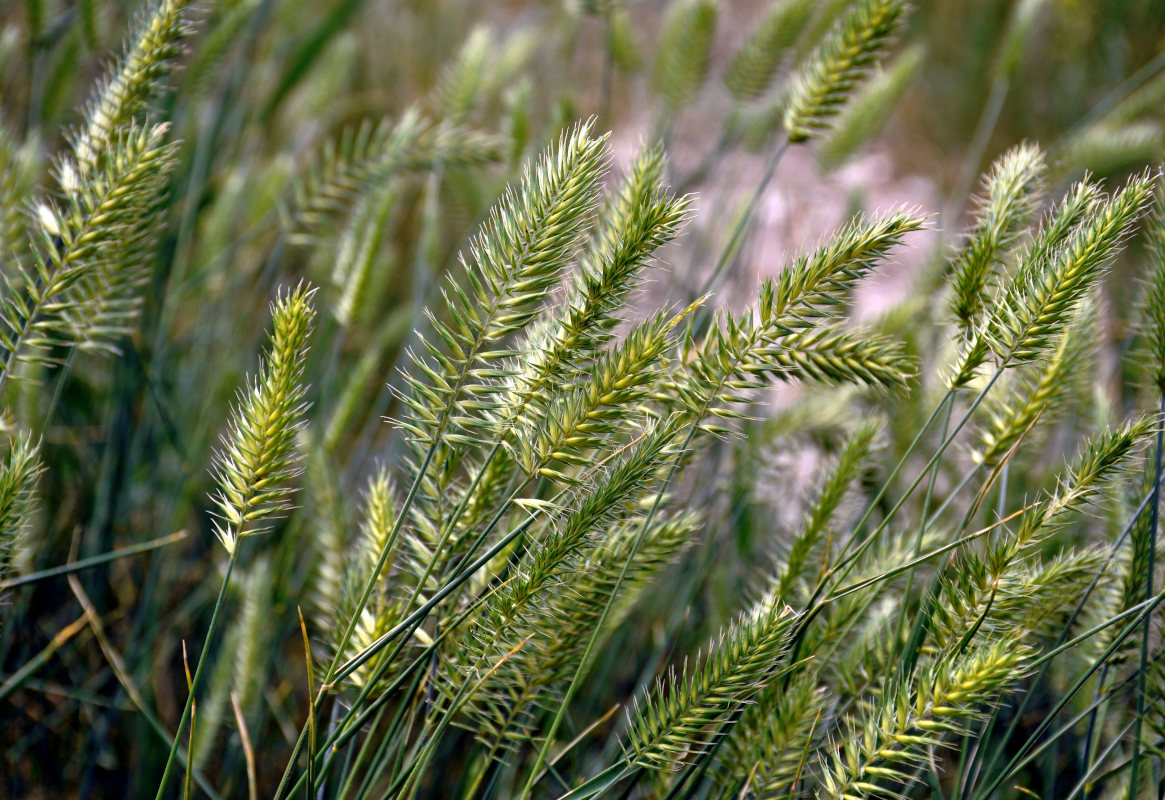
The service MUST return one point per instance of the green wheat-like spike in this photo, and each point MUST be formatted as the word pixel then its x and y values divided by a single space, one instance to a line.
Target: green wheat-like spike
pixel 1045 294
pixel 358 248
pixel 562 586
pixel 1019 600
pixel 106 300
pixel 817 284
pixel 1122 585
pixel 583 418
pixel 459 88
pixel 1040 394
pixel 755 64
pixel 138 77
pixel 852 459
pixel 511 267
pixel 865 116
pixel 77 250
pixel 19 472
pixel 679 719
pixel 1102 458
pixel 1154 297
pixel 17 180
pixel 741 352
pixel 636 221
pixel 603 502
pixel 1011 192
pixel 241 665
pixel 377 517
pixel 1107 148
pixel 843 59
pixel 258 456
pixel 366 157
pixel 883 751
pixel 835 355
pixel 774 734
pixel 1039 598
pixel 1081 203
pixel 685 45
pixel 327 525
pixel 1154 717
pixel 978 582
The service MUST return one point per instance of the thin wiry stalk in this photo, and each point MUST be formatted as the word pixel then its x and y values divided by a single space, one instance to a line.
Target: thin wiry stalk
pixel 258 458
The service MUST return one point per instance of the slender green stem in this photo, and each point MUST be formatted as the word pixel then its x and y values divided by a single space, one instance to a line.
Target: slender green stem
pixel 202 659
pixel 1081 786
pixel 923 520
pixel 1060 645
pixel 93 561
pixel 736 237
pixel 347 726
pixel 982 137
pixel 1142 672
pixel 640 537
pixel 1142 611
pixel 381 560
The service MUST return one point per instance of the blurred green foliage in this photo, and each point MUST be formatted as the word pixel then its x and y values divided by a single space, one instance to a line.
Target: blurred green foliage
pixel 359 145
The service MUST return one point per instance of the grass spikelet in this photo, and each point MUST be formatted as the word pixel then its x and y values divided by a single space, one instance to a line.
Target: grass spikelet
pixel 1154 299
pixel 977 583
pixel 836 67
pixel 107 297
pixel 1125 584
pixel 139 76
pixel 358 249
pixel 852 459
pixel 511 267
pixel 1011 192
pixel 258 455
pixel 571 608
pixel 1107 148
pixel 1040 394
pixel 681 61
pixel 636 221
pixel 1039 597
pixel 366 157
pixel 79 280
pixel 512 615
pixel 773 736
pixel 1040 302
pixel 1080 203
pixel 381 612
pixel 834 355
pixel 327 528
pixel 18 476
pixel 586 417
pixel 677 720
pixel 241 663
pixel 459 89
pixel 753 67
pixel 865 116
pixel 883 752
pixel 1104 456
pixel 17 178
pixel 741 352
pixel 818 284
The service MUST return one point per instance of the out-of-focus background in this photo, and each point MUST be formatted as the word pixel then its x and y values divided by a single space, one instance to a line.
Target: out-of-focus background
pixel 264 89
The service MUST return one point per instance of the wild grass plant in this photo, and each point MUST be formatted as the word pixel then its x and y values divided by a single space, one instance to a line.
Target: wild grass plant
pixel 404 457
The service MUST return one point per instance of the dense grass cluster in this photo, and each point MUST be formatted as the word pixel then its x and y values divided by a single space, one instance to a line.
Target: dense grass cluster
pixel 503 493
